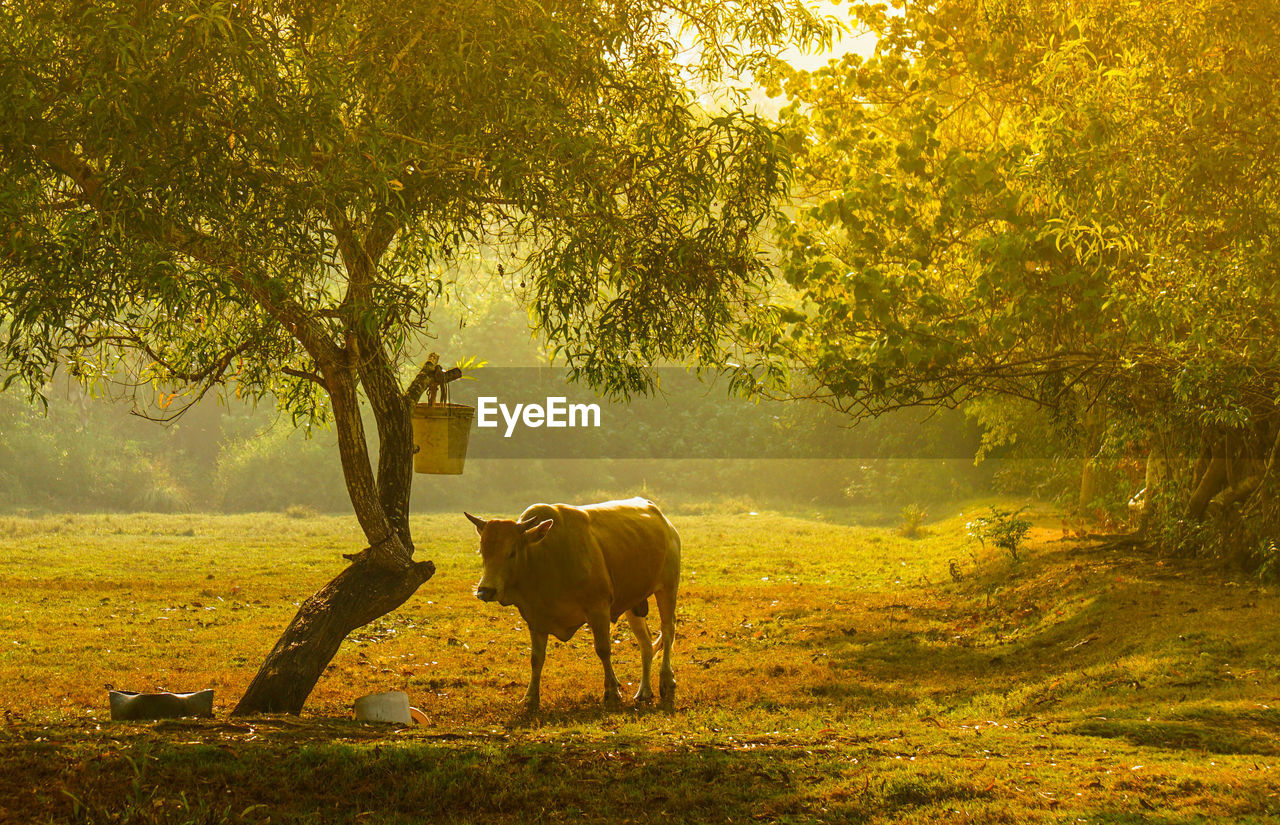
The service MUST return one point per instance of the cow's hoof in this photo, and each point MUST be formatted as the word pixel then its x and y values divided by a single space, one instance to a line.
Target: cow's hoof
pixel 644 696
pixel 667 689
pixel 531 704
pixel 612 698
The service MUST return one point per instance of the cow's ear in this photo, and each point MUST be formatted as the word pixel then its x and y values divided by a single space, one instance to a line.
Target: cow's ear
pixel 536 534
pixel 478 522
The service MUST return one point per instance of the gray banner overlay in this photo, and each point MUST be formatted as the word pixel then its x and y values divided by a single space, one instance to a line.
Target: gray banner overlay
pixel 532 412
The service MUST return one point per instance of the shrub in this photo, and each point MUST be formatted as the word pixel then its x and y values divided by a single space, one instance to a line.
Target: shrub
pixel 301 511
pixel 1003 528
pixel 913 517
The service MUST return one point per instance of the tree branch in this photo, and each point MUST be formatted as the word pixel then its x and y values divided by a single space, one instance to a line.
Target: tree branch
pixel 204 249
pixel 310 376
pixel 429 374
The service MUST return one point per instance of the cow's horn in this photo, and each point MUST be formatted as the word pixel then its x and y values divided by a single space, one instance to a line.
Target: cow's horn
pixel 478 522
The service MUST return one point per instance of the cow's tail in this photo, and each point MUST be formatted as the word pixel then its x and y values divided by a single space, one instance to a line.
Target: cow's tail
pixel 657 642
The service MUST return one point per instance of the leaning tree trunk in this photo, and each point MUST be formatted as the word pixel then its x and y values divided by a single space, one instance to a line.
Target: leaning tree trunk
pixel 1210 481
pixel 361 593
pixel 381 577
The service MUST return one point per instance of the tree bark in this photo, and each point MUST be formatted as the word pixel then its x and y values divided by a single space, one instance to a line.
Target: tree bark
pixel 1088 487
pixel 1213 479
pixel 361 593
pixel 1157 471
pixel 1095 424
pixel 380 579
pixel 393 416
pixel 358 473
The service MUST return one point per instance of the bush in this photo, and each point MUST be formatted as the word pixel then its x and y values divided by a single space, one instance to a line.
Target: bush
pixel 912 524
pixel 1002 528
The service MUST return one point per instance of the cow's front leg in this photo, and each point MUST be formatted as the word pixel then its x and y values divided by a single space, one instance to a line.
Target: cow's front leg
pixel 538 641
pixel 600 627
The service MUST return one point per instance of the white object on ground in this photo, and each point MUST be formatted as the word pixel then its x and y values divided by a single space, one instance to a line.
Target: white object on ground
pixel 390 706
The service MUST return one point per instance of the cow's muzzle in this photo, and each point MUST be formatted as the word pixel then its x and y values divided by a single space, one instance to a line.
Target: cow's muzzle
pixel 486 594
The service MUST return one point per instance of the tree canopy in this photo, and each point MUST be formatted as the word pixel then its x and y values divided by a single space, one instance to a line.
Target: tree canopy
pixel 237 190
pixel 1073 205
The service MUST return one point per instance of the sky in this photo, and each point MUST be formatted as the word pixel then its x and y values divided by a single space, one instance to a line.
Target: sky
pixel 861 42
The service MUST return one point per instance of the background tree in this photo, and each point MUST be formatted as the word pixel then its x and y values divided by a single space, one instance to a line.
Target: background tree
pixel 1066 206
pixel 270 196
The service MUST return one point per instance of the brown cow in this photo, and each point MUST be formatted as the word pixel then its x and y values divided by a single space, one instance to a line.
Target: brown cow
pixel 564 566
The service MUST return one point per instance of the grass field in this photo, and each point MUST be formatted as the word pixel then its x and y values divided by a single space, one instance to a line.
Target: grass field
pixel 827 673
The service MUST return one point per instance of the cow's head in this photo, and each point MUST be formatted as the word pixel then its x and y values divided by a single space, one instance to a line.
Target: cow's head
pixel 500 542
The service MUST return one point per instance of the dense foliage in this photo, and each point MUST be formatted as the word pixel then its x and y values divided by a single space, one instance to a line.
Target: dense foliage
pixel 1062 207
pixel 207 182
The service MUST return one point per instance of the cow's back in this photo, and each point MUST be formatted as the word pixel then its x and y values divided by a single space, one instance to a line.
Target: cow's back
pixel 627 547
pixel 639 545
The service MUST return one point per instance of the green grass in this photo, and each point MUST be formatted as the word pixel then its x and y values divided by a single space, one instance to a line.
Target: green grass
pixel 827 673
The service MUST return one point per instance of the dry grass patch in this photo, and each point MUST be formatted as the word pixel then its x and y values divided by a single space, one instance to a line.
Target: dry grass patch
pixel 827 672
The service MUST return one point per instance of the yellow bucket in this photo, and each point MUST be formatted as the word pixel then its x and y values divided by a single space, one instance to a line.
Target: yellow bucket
pixel 440 433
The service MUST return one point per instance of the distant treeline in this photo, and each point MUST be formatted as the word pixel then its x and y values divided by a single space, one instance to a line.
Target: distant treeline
pixel 85 454
pixel 711 448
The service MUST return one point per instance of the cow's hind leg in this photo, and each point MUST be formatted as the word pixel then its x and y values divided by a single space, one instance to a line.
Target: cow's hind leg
pixel 538 641
pixel 641 630
pixel 666 599
pixel 600 631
